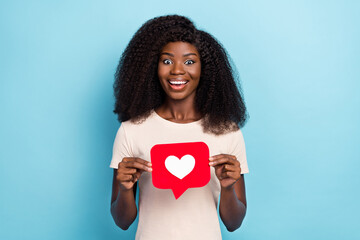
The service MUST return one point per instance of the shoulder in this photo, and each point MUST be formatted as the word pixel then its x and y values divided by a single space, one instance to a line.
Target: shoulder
pixel 234 141
pixel 132 125
pixel 237 138
pixel 237 135
pixel 233 135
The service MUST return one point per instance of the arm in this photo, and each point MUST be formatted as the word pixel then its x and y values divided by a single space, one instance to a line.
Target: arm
pixel 232 197
pixel 233 205
pixel 123 206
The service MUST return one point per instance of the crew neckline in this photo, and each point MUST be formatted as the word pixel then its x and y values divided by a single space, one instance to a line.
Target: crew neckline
pixel 175 123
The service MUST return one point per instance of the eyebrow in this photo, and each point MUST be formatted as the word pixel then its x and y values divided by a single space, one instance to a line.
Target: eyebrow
pixel 172 55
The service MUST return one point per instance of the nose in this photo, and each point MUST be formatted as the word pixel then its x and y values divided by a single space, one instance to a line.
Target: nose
pixel 177 69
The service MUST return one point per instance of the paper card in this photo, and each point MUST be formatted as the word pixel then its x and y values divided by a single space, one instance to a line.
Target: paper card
pixel 179 166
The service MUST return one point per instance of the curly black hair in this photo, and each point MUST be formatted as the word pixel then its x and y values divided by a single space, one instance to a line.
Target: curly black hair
pixel 137 88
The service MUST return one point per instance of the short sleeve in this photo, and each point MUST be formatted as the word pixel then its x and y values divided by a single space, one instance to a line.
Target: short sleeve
pixel 121 147
pixel 237 148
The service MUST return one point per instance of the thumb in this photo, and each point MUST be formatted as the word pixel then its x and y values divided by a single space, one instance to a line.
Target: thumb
pixel 137 176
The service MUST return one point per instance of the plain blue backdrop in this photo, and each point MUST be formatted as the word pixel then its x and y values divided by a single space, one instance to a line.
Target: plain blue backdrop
pixel 299 66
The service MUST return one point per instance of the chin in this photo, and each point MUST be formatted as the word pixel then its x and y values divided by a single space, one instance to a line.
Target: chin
pixel 176 97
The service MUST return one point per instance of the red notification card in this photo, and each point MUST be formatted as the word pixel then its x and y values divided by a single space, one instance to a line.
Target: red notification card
pixel 179 166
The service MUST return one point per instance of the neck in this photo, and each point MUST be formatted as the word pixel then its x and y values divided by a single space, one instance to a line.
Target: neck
pixel 181 111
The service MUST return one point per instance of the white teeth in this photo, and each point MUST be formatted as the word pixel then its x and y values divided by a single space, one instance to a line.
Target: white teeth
pixel 178 82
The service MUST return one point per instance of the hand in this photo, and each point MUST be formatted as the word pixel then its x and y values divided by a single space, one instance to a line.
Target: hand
pixel 130 170
pixel 227 169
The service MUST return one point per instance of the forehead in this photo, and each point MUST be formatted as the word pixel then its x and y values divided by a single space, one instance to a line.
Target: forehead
pixel 179 48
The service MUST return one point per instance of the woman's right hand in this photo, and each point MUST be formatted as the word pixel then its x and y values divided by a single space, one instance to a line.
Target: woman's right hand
pixel 130 170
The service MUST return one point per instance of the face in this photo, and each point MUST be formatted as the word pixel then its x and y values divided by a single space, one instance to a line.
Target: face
pixel 179 70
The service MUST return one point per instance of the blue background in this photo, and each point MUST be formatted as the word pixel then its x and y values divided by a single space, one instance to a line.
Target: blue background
pixel 299 66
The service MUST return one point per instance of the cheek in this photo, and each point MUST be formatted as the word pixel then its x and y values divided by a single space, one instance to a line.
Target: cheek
pixel 162 72
pixel 159 71
pixel 195 72
pixel 162 77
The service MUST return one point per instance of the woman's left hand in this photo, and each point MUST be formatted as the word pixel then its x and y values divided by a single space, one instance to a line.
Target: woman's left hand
pixel 227 169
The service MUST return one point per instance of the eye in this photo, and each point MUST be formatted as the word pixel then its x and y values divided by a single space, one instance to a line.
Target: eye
pixel 188 62
pixel 167 61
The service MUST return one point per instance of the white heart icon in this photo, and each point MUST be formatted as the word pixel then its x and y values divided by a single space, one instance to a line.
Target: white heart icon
pixel 180 167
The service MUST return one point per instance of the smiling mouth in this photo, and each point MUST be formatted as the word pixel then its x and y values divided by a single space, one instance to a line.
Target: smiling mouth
pixel 177 84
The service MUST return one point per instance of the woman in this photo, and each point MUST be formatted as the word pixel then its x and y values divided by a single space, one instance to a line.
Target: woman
pixel 174 84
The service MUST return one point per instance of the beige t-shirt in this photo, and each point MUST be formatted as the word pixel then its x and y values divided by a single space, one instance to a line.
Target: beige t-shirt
pixel 194 214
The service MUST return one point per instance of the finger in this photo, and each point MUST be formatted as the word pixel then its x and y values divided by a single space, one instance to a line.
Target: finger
pixel 139 160
pixel 129 177
pixel 138 165
pixel 222 161
pixel 124 167
pixel 233 175
pixel 230 168
pixel 215 157
pixel 136 176
pixel 127 170
pixel 142 161
pixel 125 177
pixel 218 156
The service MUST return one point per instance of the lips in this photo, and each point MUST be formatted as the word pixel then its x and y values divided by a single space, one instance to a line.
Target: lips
pixel 177 84
pixel 177 81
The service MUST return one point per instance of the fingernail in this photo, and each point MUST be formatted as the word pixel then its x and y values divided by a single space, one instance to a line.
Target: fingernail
pixel 211 163
pixel 149 164
pixel 150 169
pixel 211 158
